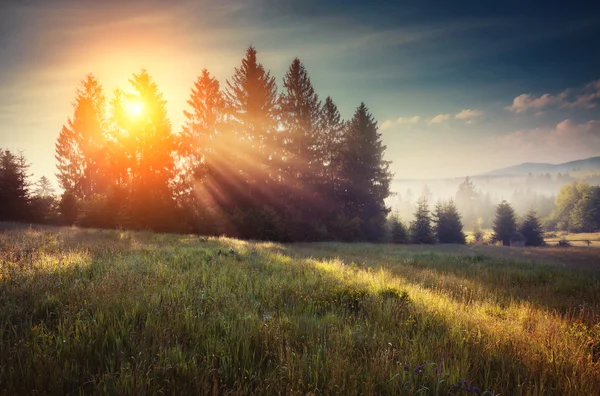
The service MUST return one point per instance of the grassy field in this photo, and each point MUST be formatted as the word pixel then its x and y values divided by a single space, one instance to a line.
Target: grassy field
pixel 111 312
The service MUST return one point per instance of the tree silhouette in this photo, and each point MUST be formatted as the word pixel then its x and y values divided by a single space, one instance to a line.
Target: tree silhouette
pixel 531 228
pixel 80 146
pixel 366 178
pixel 14 187
pixel 505 223
pixel 421 231
pixel 448 224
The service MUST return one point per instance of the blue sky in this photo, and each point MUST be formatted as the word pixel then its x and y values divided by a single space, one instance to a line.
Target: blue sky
pixel 457 87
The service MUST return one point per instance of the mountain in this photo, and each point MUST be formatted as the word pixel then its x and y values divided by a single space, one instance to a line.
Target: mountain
pixel 588 164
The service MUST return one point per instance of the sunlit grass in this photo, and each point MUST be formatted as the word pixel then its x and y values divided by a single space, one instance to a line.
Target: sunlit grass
pixel 117 312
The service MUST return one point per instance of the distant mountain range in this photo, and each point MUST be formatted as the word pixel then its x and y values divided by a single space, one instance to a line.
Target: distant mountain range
pixel 588 164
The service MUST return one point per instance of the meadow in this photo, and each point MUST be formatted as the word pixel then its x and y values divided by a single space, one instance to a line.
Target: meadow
pixel 119 312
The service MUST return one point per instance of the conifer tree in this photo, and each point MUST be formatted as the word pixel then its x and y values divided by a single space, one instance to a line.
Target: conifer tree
pixel 146 154
pixel 448 224
pixel 251 100
pixel 421 231
pixel 398 231
pixel 14 187
pixel 80 145
pixel 366 178
pixel 331 133
pixel 300 110
pixel 505 223
pixel 531 228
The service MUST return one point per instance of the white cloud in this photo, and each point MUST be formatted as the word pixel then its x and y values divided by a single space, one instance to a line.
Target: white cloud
pixel 386 124
pixel 468 114
pixel 408 120
pixel 525 102
pixel 583 98
pixel 438 119
pixel 566 140
pixel 400 121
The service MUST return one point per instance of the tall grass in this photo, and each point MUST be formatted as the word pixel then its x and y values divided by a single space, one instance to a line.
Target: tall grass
pixel 111 312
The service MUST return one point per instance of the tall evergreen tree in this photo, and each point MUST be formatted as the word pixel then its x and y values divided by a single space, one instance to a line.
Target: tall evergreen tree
pixel 398 231
pixel 421 231
pixel 251 100
pixel 205 152
pixel 80 145
pixel 531 228
pixel 147 153
pixel 300 108
pixel 505 223
pixel 14 187
pixel 448 223
pixel 366 176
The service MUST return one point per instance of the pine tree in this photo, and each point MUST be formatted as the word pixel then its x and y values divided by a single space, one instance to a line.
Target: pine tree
pixel 531 228
pixel 200 135
pixel 146 155
pixel 80 145
pixel 300 108
pixel 366 178
pixel 251 101
pixel 43 187
pixel 205 154
pixel 505 223
pixel 68 208
pixel 14 187
pixel 331 133
pixel 421 231
pixel 448 223
pixel 398 231
pixel 467 200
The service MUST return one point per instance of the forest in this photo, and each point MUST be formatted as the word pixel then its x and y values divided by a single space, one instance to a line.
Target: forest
pixel 255 160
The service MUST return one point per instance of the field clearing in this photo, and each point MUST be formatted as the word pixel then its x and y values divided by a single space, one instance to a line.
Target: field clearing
pixel 118 312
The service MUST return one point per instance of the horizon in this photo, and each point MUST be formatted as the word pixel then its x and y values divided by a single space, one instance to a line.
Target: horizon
pixel 453 94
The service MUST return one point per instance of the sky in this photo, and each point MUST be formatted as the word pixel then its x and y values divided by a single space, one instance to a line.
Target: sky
pixel 458 88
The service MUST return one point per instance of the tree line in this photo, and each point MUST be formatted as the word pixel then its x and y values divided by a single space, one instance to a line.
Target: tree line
pixel 250 161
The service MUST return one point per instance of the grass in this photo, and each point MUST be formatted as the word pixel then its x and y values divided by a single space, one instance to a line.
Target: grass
pixel 113 312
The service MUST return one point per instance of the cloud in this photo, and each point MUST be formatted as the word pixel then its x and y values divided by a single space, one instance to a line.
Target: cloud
pixel 400 121
pixel 567 140
pixel 408 120
pixel 584 98
pixel 525 102
pixel 438 119
pixel 468 114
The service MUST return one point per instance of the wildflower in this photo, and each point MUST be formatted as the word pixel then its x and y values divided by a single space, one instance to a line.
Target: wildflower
pixel 475 389
pixel 406 368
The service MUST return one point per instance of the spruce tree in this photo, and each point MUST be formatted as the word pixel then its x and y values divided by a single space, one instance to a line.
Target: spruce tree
pixel 505 223
pixel 531 228
pixel 15 193
pixel 80 146
pixel 146 156
pixel 251 101
pixel 398 231
pixel 421 231
pixel 300 108
pixel 366 176
pixel 448 223
pixel 204 153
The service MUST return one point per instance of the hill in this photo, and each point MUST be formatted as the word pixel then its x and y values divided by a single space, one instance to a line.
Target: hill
pixel 588 164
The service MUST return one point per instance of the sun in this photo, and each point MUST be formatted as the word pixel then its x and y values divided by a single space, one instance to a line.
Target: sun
pixel 134 108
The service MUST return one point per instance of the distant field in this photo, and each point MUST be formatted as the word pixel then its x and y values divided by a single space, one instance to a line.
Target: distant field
pixel 111 312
